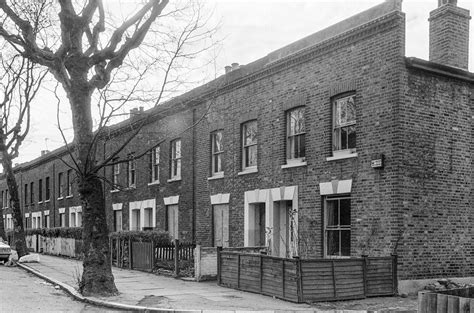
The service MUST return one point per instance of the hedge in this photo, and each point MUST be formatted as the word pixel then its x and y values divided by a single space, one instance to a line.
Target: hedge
pixel 158 237
pixel 63 232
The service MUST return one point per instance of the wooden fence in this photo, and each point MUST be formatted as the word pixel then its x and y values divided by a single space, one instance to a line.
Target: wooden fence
pixel 308 280
pixel 448 301
pixel 147 256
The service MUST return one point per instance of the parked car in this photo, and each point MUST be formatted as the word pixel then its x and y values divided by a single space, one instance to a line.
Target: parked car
pixel 5 251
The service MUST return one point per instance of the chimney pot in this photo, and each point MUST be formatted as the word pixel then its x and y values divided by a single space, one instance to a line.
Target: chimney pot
pixel 228 69
pixel 235 66
pixel 43 152
pixel 443 2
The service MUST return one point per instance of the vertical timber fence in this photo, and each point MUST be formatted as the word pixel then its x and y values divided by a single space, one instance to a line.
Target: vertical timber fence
pixel 300 280
pixel 447 301
pixel 147 256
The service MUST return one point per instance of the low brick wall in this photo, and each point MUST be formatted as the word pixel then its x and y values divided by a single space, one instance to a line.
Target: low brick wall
pixel 55 245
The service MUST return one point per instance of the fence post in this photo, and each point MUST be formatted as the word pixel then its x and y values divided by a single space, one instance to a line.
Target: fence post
pixel 299 279
pixel 334 278
pixel 261 271
pixel 219 265
pixel 130 254
pixel 394 273
pixel 152 255
pixel 238 271
pixel 364 268
pixel 176 257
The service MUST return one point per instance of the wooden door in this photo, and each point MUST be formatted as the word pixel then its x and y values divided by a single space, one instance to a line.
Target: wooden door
pixel 221 225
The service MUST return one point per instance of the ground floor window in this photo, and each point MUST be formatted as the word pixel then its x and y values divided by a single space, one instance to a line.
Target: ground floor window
pixel 220 225
pixel 337 226
pixel 117 220
pixel 62 219
pixel 46 221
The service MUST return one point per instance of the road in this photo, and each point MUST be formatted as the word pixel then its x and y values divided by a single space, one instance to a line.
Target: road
pixel 23 292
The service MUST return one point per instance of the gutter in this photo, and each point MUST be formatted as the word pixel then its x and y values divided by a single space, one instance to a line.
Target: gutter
pixel 440 69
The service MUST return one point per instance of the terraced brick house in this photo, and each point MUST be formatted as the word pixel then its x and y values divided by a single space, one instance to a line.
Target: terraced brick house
pixel 336 145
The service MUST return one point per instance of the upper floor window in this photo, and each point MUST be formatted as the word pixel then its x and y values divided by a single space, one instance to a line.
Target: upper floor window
pixel 344 125
pixel 131 170
pixel 155 165
pixel 217 151
pixel 60 185
pixel 296 146
pixel 48 189
pixel 175 159
pixel 69 183
pixel 32 192
pixel 26 194
pixel 249 144
pixel 115 173
pixel 40 190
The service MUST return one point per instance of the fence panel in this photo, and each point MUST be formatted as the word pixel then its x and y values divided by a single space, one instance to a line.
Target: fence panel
pixel 307 280
pixel 380 277
pixel 142 256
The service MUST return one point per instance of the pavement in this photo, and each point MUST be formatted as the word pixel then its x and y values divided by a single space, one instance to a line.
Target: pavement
pixel 147 292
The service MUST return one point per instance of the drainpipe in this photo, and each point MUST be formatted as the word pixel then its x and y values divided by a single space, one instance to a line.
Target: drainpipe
pixel 52 195
pixel 193 188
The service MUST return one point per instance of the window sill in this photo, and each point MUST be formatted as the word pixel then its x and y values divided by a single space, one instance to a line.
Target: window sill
pixel 174 179
pixel 218 175
pixel 294 164
pixel 154 183
pixel 133 187
pixel 248 171
pixel 60 198
pixel 47 201
pixel 40 202
pixel 68 197
pixel 114 191
pixel 342 156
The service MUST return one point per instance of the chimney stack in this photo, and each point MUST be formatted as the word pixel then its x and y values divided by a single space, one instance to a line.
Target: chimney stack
pixel 449 34
pixel 228 69
pixel 43 152
pixel 235 66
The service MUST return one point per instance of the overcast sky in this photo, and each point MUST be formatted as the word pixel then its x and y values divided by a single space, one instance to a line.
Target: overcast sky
pixel 252 29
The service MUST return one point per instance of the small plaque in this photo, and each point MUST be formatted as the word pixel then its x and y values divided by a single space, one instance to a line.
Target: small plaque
pixel 377 161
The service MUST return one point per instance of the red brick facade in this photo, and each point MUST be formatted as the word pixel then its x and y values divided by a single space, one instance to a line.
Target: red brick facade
pixel 413 116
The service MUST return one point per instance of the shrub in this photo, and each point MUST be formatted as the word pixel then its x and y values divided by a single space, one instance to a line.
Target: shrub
pixel 158 237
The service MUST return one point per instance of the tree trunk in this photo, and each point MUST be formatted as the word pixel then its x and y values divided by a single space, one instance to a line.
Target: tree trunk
pixel 97 278
pixel 19 241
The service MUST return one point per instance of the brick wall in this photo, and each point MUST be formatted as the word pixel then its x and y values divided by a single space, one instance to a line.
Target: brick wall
pixel 435 154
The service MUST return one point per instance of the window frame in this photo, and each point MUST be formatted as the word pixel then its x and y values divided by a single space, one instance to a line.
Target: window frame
pixel 337 147
pixel 217 155
pixel 131 171
pixel 175 159
pixel 40 190
pixel 290 157
pixel 115 173
pixel 339 228
pixel 246 147
pixel 60 185
pixel 32 193
pixel 155 165
pixel 69 181
pixel 47 195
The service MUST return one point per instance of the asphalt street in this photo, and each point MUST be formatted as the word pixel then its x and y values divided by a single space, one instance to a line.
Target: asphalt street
pixel 23 292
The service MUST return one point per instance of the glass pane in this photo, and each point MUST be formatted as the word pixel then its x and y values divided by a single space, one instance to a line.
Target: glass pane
pixel 332 214
pixel 251 156
pixel 296 121
pixel 332 245
pixel 346 242
pixel 157 155
pixel 301 146
pixel 250 133
pixel 343 138
pixel 345 211
pixel 350 109
pixel 351 134
pixel 177 150
pixel 291 147
pixel 217 142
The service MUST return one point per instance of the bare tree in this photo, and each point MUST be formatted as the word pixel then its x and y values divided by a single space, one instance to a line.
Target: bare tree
pixel 19 85
pixel 86 51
